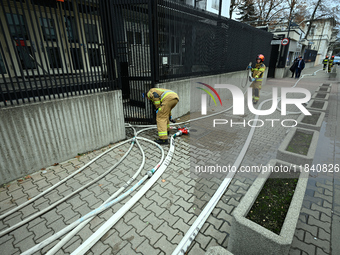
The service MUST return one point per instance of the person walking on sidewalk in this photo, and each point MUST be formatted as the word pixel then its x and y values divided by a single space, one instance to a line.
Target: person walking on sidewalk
pixel 294 66
pixel 300 67
pixel 257 77
pixel 325 62
pixel 164 100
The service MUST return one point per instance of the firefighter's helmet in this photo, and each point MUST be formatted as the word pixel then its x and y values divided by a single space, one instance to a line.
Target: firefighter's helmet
pixel 326 56
pixel 260 57
pixel 332 57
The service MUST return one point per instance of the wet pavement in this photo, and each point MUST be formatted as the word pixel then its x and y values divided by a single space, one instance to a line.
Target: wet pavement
pixel 160 219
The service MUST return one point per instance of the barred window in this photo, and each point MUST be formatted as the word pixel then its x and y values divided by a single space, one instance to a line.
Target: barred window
pixel 48 29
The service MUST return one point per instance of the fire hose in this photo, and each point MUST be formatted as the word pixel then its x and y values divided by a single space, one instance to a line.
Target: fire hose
pixel 92 240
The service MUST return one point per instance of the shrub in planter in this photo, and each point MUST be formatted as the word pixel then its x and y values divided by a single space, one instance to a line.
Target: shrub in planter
pixel 323 89
pixel 328 85
pixel 321 96
pixel 250 237
pixel 313 121
pixel 317 105
pixel 299 146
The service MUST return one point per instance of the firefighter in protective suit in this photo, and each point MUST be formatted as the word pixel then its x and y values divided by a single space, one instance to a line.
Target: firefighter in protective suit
pixel 330 64
pixel 164 100
pixel 257 77
pixel 325 62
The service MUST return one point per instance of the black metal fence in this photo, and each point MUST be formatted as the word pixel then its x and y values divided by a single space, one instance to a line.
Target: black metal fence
pixel 54 49
pixel 193 42
pixel 51 49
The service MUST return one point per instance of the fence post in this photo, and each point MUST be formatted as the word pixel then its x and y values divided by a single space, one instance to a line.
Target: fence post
pixel 154 54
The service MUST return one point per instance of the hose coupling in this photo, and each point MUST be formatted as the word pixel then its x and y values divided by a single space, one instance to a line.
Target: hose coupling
pixel 150 173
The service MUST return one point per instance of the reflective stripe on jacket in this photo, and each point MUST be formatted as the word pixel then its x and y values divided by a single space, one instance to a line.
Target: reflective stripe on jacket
pixel 157 95
pixel 258 71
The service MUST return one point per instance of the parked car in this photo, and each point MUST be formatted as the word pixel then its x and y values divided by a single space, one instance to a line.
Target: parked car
pixel 336 60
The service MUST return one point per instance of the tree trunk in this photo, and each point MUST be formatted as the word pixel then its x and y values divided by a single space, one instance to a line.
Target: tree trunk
pixel 312 18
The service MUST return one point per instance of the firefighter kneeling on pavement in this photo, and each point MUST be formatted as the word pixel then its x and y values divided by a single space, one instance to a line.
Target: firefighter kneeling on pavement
pixel 257 77
pixel 164 100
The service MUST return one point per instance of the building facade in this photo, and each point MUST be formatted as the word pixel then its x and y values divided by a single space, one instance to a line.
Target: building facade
pixel 321 34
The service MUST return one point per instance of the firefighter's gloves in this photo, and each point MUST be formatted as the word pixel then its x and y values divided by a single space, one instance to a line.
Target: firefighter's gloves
pixel 171 119
pixel 249 67
pixel 252 79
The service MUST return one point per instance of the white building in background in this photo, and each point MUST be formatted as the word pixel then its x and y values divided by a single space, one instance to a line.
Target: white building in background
pixel 211 6
pixel 320 36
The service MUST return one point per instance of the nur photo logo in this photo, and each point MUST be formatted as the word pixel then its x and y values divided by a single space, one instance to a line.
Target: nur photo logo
pixel 204 97
pixel 239 105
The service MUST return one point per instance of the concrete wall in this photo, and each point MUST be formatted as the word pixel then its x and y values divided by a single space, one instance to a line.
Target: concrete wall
pixel 40 134
pixel 282 72
pixel 191 98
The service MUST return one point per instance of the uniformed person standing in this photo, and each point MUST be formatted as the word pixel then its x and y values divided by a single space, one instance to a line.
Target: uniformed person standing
pixel 325 62
pixel 257 77
pixel 164 100
pixel 330 64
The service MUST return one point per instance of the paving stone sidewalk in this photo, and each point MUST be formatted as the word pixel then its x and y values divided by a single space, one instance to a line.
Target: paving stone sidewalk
pixel 158 221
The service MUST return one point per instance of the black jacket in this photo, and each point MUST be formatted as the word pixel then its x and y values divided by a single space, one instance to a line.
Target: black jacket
pixel 302 64
pixel 294 65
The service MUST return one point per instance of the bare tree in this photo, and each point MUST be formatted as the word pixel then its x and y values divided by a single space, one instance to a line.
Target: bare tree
pixel 234 5
pixel 312 17
pixel 269 10
pixel 291 4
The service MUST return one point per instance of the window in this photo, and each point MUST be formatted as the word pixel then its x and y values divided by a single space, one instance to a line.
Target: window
pixel 48 29
pixel 94 56
pixel 312 30
pixel 146 39
pixel 54 57
pixel 26 57
pixel 77 59
pixel 138 38
pixel 16 26
pixel 129 35
pixel 215 4
pixel 71 29
pixel 91 33
pixel 174 44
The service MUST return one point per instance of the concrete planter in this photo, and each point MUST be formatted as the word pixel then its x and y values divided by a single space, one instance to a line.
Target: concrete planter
pixel 247 237
pixel 312 105
pixel 323 89
pixel 317 126
pixel 328 85
pixel 217 250
pixel 295 158
pixel 322 96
